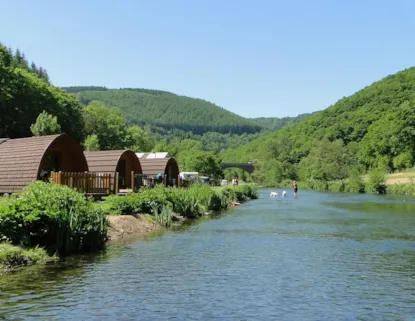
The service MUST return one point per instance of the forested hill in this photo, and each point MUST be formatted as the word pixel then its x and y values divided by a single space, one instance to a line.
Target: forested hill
pixel 373 128
pixel 25 92
pixel 275 123
pixel 167 110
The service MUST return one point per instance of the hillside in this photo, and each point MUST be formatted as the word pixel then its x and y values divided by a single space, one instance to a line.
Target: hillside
pixel 275 123
pixel 167 110
pixel 373 128
pixel 25 92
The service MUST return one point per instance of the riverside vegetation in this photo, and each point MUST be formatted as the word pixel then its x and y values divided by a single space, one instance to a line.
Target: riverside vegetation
pixel 49 220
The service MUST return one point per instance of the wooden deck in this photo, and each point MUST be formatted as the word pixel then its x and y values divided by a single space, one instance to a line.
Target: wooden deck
pixel 88 183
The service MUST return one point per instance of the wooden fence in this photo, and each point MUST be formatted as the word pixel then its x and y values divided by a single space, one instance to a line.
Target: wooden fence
pixel 85 182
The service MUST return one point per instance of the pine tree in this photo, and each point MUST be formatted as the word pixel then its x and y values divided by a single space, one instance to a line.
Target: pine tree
pixel 20 60
pixel 33 68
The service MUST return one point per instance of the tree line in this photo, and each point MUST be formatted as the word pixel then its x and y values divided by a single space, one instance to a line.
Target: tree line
pixel 374 129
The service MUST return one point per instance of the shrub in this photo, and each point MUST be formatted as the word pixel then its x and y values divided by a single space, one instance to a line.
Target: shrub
pixel 355 184
pixel 190 202
pixel 55 217
pixel 163 217
pixel 376 182
pixel 140 202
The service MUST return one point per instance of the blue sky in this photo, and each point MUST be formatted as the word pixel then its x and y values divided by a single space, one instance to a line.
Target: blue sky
pixel 255 58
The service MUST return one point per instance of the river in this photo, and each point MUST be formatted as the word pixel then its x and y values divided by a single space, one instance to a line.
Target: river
pixel 317 257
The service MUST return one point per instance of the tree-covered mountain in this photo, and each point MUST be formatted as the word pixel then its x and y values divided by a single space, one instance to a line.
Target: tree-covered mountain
pixel 373 128
pixel 167 110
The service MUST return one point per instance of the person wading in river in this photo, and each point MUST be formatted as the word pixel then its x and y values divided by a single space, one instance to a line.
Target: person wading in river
pixel 295 186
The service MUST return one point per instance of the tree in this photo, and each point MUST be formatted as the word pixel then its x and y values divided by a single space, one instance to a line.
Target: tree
pixel 107 124
pixel 206 163
pixel 45 124
pixel 92 143
pixel 326 162
pixel 23 96
pixel 20 60
pixel 138 140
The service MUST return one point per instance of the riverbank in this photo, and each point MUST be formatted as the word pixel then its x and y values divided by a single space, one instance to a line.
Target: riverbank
pixel 62 222
pixel 373 183
pixel 136 225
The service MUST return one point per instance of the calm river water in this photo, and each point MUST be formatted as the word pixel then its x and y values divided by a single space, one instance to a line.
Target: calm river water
pixel 318 257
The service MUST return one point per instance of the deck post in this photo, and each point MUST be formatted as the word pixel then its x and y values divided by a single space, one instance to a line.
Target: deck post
pixel 132 180
pixel 86 182
pixel 116 183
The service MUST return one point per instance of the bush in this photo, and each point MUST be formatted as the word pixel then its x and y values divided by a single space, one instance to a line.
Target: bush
pixel 55 217
pixel 355 184
pixel 336 186
pixel 142 202
pixel 376 182
pixel 163 218
pixel 190 202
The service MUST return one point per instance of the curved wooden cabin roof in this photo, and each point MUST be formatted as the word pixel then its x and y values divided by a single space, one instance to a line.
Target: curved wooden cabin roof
pixel 155 166
pixel 106 161
pixel 21 159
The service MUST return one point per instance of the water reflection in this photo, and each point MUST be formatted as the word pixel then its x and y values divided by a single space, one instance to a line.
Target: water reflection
pixel 318 257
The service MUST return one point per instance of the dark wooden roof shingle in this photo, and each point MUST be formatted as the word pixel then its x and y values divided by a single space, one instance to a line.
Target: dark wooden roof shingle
pixel 106 161
pixel 19 161
pixel 156 165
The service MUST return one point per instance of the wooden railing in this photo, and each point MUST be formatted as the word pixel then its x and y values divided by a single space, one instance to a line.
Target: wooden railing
pixel 85 182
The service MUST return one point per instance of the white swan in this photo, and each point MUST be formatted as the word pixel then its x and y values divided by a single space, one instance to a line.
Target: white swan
pixel 273 194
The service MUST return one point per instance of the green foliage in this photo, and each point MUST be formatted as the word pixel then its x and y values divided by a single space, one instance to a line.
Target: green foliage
pixel 206 163
pixel 376 182
pixel 374 128
pixel 107 124
pixel 169 111
pixel 55 217
pixel 327 162
pixel 45 124
pixel 164 217
pixel 355 183
pixel 92 143
pixel 402 189
pixel 138 140
pixel 24 94
pixel 403 161
pixel 275 123
pixel 14 256
pixel 190 202
pixel 111 129
pixel 142 202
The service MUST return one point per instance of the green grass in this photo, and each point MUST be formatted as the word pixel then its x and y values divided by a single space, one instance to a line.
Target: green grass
pixel 15 256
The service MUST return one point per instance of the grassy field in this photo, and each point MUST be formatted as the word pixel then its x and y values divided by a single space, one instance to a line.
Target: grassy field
pixel 401 178
pixel 407 177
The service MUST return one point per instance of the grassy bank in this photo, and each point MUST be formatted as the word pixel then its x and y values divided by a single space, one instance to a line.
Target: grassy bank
pixel 14 256
pixel 375 182
pixel 162 202
pixel 49 219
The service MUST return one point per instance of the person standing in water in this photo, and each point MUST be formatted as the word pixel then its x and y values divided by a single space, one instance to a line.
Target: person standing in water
pixel 295 187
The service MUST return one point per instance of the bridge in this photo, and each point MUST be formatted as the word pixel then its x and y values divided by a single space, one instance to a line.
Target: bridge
pixel 249 167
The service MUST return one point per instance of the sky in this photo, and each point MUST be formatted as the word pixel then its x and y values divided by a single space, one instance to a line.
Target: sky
pixel 256 58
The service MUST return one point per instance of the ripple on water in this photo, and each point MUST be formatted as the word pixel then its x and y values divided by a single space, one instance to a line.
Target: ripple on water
pixel 313 258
